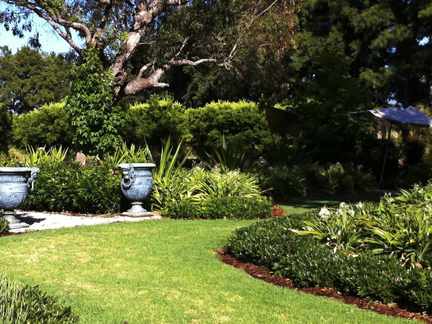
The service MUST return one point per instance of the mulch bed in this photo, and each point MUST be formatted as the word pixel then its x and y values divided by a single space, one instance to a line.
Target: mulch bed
pixel 258 273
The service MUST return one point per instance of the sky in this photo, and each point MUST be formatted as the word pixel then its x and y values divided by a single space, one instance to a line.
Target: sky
pixel 50 41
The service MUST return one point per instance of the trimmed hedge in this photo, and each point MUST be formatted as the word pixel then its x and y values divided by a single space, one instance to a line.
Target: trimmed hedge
pixel 217 208
pixel 25 304
pixel 46 126
pixel 238 121
pixel 155 121
pixel 272 245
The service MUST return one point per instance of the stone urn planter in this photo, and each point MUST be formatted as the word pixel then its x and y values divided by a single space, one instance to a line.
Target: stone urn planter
pixel 136 185
pixel 15 183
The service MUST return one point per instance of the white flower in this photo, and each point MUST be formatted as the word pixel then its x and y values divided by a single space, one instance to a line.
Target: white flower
pixel 324 213
pixel 359 205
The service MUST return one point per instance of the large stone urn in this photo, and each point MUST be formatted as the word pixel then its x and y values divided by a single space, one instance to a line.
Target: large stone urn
pixel 136 185
pixel 15 182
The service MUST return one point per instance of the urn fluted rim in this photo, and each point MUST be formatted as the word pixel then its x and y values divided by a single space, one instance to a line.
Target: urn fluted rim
pixel 137 165
pixel 15 169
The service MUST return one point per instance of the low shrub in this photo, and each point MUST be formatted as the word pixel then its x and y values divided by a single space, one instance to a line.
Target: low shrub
pixel 72 188
pixel 4 225
pixel 47 126
pixel 25 304
pixel 284 183
pixel 273 245
pixel 223 207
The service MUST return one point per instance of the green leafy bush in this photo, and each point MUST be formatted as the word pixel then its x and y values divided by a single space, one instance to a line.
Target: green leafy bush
pixel 155 121
pixel 47 126
pixel 237 121
pixel 72 188
pixel 273 245
pixel 339 179
pixel 222 207
pixel 4 225
pixel 94 118
pixel 283 182
pixel 25 304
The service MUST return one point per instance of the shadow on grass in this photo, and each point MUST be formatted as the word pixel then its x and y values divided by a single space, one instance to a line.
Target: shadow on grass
pixel 303 205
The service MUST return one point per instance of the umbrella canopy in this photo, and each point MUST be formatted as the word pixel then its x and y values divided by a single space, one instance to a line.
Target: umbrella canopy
pixel 410 115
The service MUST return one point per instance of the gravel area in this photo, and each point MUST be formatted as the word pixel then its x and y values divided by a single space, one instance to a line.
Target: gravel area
pixel 37 221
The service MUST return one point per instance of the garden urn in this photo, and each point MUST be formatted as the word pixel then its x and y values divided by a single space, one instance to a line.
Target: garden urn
pixel 15 183
pixel 136 185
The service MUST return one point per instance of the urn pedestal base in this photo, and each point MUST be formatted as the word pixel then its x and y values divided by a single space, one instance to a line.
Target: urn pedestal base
pixel 137 211
pixel 14 223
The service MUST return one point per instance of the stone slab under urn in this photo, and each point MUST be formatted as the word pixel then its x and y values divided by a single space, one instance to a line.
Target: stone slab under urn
pixel 15 183
pixel 136 185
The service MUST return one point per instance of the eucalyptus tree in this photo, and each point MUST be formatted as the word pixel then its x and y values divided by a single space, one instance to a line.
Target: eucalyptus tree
pixel 138 41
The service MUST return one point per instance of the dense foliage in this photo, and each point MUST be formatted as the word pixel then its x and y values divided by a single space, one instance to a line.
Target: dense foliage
pixel 5 127
pixel 47 126
pixel 155 121
pixel 94 119
pixel 4 225
pixel 70 187
pixel 25 304
pixel 378 251
pixel 235 207
pixel 387 44
pixel 29 79
pixel 238 121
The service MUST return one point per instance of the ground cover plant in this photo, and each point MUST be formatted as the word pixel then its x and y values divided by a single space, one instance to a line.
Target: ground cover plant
pixel 159 272
pixel 380 251
pixel 26 304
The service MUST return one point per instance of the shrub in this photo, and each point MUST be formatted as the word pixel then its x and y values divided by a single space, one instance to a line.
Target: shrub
pixel 47 126
pixel 239 122
pixel 25 304
pixel 222 207
pixel 4 225
pixel 155 120
pixel 273 245
pixel 283 183
pixel 76 189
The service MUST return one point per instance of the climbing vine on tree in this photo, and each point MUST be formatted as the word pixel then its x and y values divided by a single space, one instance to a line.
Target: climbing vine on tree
pixel 94 118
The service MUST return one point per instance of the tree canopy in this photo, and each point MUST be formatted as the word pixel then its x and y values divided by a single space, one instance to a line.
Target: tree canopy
pixel 140 40
pixel 29 79
pixel 386 41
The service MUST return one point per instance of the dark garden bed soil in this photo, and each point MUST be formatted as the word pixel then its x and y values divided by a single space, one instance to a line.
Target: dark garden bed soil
pixel 389 309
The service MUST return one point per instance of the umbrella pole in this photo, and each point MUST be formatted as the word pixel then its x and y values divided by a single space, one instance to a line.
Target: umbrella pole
pixel 385 155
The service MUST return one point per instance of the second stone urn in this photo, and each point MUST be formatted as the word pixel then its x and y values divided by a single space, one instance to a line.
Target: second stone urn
pixel 136 185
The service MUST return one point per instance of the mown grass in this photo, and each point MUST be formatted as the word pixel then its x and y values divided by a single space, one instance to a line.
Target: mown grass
pixel 160 272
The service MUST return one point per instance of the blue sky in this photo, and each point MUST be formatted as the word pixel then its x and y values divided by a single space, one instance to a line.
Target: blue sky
pixel 50 41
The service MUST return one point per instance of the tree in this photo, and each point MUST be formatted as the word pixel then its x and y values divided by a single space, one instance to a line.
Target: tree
pixel 325 105
pixel 139 41
pixel 29 79
pixel 386 41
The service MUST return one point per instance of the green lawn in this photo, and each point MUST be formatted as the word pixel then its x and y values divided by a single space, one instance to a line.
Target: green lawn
pixel 162 271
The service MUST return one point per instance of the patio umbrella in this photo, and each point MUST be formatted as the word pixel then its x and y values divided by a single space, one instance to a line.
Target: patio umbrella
pixel 399 116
